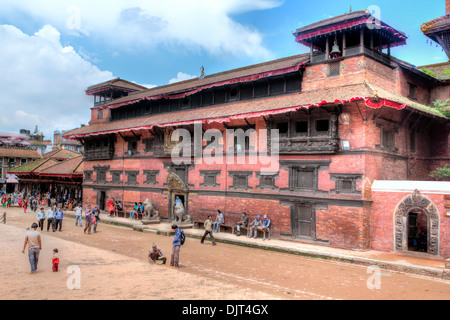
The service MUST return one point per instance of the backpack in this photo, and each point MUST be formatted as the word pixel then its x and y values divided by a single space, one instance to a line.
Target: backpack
pixel 182 237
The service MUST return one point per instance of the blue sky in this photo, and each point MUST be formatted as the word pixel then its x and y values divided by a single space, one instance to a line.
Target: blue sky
pixel 53 50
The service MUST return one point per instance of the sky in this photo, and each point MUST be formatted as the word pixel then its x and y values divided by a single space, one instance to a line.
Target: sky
pixel 51 51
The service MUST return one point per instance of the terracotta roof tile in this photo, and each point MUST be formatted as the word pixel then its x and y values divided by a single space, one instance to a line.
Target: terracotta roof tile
pixel 19 153
pixel 67 167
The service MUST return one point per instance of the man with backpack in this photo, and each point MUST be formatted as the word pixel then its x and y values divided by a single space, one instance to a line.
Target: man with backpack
pixel 178 241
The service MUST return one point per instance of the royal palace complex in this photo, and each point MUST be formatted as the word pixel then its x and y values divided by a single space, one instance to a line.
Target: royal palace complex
pixel 319 129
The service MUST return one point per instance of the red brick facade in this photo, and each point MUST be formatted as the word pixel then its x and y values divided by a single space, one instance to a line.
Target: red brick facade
pixel 375 106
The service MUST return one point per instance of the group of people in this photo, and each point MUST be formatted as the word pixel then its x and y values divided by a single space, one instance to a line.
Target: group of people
pixel 54 217
pixel 114 207
pixel 92 217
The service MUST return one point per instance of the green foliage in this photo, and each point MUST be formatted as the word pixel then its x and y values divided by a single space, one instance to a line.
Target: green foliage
pixel 446 72
pixel 443 107
pixel 442 173
pixel 428 72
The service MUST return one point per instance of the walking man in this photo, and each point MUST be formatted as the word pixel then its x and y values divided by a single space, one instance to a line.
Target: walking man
pixel 88 220
pixel 78 215
pixel 33 240
pixel 51 218
pixel 96 214
pixel 175 257
pixel 41 217
pixel 59 218
pixel 208 230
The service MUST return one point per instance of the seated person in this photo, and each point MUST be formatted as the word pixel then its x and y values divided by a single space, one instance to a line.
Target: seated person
pixel 134 211
pixel 241 223
pixel 140 211
pixel 219 220
pixel 265 224
pixel 156 255
pixel 254 227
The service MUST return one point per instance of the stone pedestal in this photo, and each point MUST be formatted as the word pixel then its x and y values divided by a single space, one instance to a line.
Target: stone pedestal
pixel 156 220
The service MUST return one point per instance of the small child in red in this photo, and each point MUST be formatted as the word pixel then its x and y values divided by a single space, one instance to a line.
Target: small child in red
pixel 55 260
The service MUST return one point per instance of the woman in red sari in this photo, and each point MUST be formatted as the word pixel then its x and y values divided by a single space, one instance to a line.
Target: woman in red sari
pixel 111 207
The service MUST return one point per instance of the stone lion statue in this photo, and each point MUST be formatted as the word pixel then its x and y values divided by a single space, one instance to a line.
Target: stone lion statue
pixel 149 210
pixel 180 213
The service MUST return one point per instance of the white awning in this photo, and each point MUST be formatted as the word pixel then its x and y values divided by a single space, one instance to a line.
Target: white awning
pixel 437 187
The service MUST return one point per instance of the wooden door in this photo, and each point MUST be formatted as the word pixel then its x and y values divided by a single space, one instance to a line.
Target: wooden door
pixel 303 222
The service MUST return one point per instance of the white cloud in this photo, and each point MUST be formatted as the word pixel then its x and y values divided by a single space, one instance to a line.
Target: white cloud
pixel 195 25
pixel 181 76
pixel 43 83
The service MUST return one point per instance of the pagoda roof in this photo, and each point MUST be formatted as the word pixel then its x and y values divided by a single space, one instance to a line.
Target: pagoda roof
pixel 373 96
pixel 185 88
pixel 346 21
pixel 436 25
pixel 116 84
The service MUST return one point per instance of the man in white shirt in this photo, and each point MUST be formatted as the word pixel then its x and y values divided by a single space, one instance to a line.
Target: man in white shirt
pixel 78 214
pixel 51 218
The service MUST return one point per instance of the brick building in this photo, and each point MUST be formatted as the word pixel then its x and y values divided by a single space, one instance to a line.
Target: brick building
pixel 321 128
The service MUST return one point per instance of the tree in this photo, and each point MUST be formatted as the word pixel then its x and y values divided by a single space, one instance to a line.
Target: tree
pixel 442 173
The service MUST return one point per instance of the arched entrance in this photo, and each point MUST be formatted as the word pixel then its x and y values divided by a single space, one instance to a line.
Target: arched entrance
pixel 417 231
pixel 416 214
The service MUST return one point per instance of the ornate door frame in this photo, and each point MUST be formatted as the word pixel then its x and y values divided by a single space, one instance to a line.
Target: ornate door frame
pixel 176 187
pixel 416 201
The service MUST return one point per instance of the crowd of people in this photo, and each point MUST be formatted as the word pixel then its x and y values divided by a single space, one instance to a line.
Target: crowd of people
pixel 55 215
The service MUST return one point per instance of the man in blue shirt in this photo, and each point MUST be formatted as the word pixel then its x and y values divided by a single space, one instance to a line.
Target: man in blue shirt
pixel 265 224
pixel 96 214
pixel 176 247
pixel 59 215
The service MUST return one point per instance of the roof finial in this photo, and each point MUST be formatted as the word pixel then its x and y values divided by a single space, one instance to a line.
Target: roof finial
pixel 350 8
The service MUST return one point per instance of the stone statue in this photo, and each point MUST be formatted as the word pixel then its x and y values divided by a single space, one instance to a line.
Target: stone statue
pixel 180 213
pixel 149 210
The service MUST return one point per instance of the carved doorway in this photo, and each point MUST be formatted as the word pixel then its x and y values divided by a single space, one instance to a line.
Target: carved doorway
pixel 177 188
pixel 415 212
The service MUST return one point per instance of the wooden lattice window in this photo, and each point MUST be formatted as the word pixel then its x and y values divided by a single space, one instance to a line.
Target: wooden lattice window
pixel 334 69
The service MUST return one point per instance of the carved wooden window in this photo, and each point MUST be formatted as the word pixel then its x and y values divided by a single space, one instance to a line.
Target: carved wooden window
pixel 116 177
pixel 334 69
pixel 132 177
pixel 100 114
pixel 151 176
pixel 303 178
pixel 210 178
pixel 101 174
pixel 345 183
pixel 266 180
pixel 148 145
pixel 322 127
pixel 301 128
pixel 283 128
pixel 233 94
pixel 132 147
pixel 240 179
pixel 88 176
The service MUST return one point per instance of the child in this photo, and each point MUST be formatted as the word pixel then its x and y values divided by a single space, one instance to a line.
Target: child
pixel 55 260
